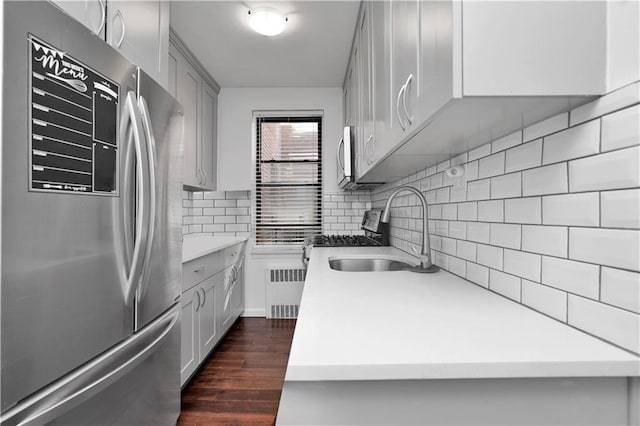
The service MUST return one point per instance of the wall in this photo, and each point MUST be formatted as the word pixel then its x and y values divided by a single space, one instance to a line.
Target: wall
pixel 548 216
pixel 229 209
pixel 623 43
pixel 219 213
pixel 235 139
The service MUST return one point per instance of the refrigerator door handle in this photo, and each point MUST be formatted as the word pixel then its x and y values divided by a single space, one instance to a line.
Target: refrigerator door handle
pixel 90 379
pixel 131 277
pixel 151 152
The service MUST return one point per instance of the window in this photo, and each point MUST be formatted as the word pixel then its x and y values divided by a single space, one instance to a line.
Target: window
pixel 288 179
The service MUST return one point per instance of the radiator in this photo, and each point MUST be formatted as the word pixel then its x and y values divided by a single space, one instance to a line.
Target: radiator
pixel 283 291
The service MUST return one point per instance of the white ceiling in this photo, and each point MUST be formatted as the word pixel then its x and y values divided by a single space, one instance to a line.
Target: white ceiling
pixel 312 51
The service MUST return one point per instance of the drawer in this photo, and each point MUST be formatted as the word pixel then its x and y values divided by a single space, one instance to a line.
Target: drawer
pixel 201 268
pixel 233 254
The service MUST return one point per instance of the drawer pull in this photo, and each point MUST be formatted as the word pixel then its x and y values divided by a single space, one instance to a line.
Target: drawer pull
pixel 198 270
pixel 234 254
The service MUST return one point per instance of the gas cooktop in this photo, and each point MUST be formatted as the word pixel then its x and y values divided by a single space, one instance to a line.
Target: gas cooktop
pixel 345 241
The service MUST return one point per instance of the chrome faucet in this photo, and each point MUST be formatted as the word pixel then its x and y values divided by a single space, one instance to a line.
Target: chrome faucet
pixel 425 255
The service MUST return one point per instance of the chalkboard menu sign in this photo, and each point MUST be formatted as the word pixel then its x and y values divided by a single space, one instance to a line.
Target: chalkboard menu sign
pixel 74 125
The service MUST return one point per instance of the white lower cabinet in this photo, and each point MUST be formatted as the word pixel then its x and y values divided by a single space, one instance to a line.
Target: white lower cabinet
pixel 211 302
pixel 189 347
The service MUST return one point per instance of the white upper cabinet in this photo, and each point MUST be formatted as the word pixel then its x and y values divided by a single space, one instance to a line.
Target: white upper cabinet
pixel 209 139
pixel 447 76
pixel 140 31
pixel 90 13
pixel 198 94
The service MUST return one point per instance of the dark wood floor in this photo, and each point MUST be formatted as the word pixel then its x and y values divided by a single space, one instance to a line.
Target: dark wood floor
pixel 241 383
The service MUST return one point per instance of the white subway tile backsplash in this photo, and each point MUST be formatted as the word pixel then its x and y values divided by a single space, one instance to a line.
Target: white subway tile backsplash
pixel 505 284
pixel 574 142
pixel 542 234
pixel 449 245
pixel 492 165
pixel 506 186
pixel 458 230
pixel 491 211
pixel 613 101
pixel 223 219
pixel 551 240
pixel 471 170
pixel 478 190
pixel 546 127
pixel 480 152
pixel 443 165
pixel 203 203
pixel 466 250
pixel 571 209
pixel 525 265
pixel 621 288
pixel 435 181
pixel 621 129
pixel 611 247
pixel 450 211
pixel 490 256
pixel 616 325
pixel 524 156
pixel 621 209
pixel 505 235
pixel 457 266
pixel 478 274
pixel 545 299
pixel 523 210
pixel 612 170
pixel 506 142
pixel 573 277
pixel 442 195
pixel 478 232
pixel 468 211
pixel 545 180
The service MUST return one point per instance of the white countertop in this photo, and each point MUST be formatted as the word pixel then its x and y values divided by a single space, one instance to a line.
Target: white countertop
pixel 195 246
pixel 403 325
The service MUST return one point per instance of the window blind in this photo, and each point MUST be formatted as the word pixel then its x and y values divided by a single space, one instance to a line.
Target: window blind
pixel 288 206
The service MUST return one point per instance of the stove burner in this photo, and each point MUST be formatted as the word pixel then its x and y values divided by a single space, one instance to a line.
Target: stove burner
pixel 344 241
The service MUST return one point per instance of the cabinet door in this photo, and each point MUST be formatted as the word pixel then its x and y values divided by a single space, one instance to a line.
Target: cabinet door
pixel 383 117
pixel 189 88
pixel 138 29
pixel 237 292
pixel 227 311
pixel 209 139
pixel 209 321
pixel 367 94
pixel 405 23
pixel 90 13
pixel 172 71
pixel 189 346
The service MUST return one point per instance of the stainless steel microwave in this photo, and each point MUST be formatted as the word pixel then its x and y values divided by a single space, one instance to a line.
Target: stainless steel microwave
pixel 346 159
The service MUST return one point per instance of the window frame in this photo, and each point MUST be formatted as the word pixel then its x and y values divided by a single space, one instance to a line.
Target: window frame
pixel 280 117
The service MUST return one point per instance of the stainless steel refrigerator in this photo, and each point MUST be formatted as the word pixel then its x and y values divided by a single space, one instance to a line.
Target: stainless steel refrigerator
pixel 90 261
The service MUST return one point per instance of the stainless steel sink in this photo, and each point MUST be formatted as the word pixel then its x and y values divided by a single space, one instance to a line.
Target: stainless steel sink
pixel 368 265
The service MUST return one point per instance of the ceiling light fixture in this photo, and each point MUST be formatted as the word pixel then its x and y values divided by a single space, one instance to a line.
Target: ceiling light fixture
pixel 267 22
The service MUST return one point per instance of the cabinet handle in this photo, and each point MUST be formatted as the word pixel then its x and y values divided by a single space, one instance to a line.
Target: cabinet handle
pixel 369 150
pixel 124 28
pixel 234 274
pixel 198 270
pixel 199 300
pixel 103 21
pixel 338 158
pixel 404 100
pixel 398 108
pixel 205 178
pixel 204 297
